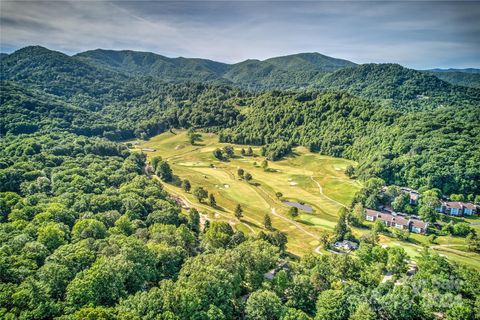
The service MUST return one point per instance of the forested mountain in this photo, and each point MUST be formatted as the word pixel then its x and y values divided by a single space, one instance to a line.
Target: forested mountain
pixel 435 148
pixel 469 77
pixel 86 234
pixel 394 85
pixel 106 93
pixel 146 63
pixel 281 72
pixel 59 74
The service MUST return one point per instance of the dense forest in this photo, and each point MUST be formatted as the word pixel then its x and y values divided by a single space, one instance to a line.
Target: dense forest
pixel 85 234
pixel 405 126
pixel 469 77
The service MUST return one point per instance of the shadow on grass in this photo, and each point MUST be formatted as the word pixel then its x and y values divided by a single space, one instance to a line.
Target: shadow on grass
pixel 305 222
pixel 249 223
pixel 176 181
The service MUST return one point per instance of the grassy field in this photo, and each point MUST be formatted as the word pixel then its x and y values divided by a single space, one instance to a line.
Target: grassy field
pixel 316 180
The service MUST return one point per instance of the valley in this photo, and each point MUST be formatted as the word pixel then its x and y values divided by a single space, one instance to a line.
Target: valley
pixel 316 180
pixel 306 178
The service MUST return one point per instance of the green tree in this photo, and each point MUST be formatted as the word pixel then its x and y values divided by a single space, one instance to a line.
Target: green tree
pixel 350 171
pixel 52 235
pixel 194 220
pixel 293 212
pixel 341 229
pixel 88 228
pixel 331 304
pixel 200 194
pixel 397 260
pixel 428 214
pixel 378 226
pixel 186 185
pixel 238 212
pixel 400 202
pixel 155 161
pixel 267 222
pixel 228 151
pixel 363 311
pixel 193 136
pixel 264 164
pixel 264 305
pixel 248 177
pixel 217 153
pixel 164 171
pixel 457 197
pixel 240 173
pixel 358 214
pixel 218 235
pixel 211 200
pixel 294 314
pixel 460 311
pixel 249 151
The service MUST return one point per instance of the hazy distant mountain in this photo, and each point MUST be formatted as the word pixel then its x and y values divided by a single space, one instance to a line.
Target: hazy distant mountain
pixel 469 77
pixel 466 70
pixel 288 71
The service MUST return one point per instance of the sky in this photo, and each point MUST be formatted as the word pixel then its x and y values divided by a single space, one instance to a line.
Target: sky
pixel 416 34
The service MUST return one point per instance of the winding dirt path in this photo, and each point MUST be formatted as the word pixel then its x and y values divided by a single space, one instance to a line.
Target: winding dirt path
pixel 323 194
pixel 274 212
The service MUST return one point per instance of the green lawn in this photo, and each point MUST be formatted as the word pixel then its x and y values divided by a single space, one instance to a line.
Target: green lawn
pixel 316 180
pixel 305 177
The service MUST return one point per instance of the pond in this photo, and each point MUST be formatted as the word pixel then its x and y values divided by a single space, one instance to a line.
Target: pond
pixel 300 206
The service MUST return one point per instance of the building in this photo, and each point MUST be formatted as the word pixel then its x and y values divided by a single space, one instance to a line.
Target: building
pixel 418 225
pixel 414 195
pixel 346 245
pixel 398 220
pixel 469 209
pixel 457 208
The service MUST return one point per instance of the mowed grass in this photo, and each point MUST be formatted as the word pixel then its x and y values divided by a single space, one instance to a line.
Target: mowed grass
pixel 316 180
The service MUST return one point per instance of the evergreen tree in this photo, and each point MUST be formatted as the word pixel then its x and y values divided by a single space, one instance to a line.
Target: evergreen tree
pixel 238 212
pixel 211 200
pixel 267 222
pixel 186 185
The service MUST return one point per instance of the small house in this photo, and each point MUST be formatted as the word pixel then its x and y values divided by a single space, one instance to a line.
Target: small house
pixel 469 209
pixel 456 208
pixel 346 245
pixel 414 195
pixel 418 226
pixel 371 215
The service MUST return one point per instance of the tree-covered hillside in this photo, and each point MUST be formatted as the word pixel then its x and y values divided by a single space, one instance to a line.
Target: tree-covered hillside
pixel 147 63
pixel 86 235
pixel 403 125
pixel 394 85
pixel 462 77
pixel 87 230
pixel 430 148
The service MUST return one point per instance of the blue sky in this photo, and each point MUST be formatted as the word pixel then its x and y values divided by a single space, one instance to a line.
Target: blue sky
pixel 417 34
